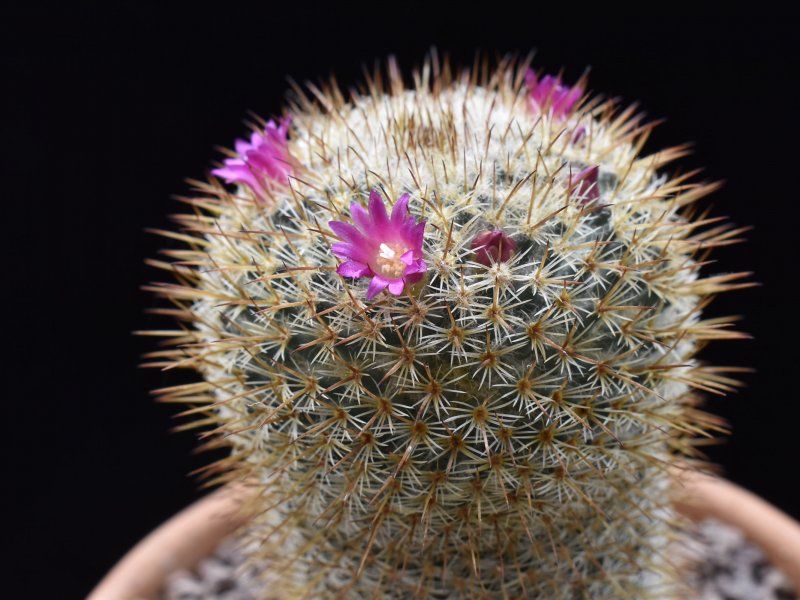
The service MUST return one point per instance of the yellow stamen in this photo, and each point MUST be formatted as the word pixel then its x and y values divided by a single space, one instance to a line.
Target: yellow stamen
pixel 388 262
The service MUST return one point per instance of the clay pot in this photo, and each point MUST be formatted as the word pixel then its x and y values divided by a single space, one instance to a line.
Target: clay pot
pixel 193 534
pixel 776 533
pixel 180 543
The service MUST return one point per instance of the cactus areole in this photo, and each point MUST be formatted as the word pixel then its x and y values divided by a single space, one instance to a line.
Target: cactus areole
pixel 448 334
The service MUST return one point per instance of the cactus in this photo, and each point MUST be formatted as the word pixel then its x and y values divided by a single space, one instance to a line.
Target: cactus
pixel 448 335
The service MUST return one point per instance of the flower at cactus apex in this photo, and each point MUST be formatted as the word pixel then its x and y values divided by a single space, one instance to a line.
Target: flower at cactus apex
pixel 261 159
pixel 387 249
pixel 449 335
pixel 549 93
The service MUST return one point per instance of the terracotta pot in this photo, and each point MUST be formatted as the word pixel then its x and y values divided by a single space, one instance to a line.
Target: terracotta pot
pixel 194 533
pixel 180 543
pixel 776 533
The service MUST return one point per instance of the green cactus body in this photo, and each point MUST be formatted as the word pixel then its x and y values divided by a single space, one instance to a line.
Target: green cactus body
pixel 502 428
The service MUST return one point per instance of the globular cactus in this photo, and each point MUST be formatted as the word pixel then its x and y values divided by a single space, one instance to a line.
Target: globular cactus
pixel 448 333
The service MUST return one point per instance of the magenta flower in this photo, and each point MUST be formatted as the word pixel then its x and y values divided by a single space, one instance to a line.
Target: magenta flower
pixel 264 158
pixel 388 249
pixel 493 246
pixel 550 93
pixel 584 184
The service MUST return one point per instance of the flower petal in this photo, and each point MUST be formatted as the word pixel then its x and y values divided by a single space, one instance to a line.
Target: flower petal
pixel 235 171
pixel 550 93
pixel 377 211
pixel 400 210
pixel 360 217
pixel 347 232
pixel 397 286
pixel 376 286
pixel 546 87
pixel 352 268
pixel 350 251
pixel 242 147
pixel 417 232
pixel 573 95
pixel 418 266
pixel 531 80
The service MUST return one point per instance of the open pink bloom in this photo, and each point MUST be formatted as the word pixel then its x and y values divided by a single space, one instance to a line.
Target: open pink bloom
pixel 550 94
pixel 386 248
pixel 493 246
pixel 584 184
pixel 264 157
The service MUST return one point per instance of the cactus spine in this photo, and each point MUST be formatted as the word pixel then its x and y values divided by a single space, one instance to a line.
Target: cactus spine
pixel 499 419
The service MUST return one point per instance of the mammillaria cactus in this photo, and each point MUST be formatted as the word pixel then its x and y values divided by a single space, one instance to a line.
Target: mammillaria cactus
pixel 448 333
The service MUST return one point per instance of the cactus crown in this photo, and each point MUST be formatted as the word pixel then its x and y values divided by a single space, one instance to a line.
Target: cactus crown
pixel 448 333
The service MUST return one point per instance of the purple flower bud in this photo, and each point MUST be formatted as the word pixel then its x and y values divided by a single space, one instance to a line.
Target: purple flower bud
pixel 584 184
pixel 493 246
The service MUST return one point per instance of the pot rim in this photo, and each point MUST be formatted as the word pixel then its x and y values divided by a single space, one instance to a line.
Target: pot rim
pixel 701 496
pixel 184 540
pixel 181 542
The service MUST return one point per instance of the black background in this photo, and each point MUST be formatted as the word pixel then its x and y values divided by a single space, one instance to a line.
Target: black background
pixel 107 110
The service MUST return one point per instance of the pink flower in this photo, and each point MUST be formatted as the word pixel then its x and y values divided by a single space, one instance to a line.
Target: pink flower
pixel 388 249
pixel 493 246
pixel 584 184
pixel 550 93
pixel 265 157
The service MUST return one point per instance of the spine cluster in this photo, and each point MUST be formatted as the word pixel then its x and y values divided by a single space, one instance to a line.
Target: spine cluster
pixel 449 334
